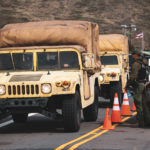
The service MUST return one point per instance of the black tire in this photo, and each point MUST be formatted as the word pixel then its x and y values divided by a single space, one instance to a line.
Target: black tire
pixel 115 88
pixel 19 118
pixel 91 112
pixel 71 111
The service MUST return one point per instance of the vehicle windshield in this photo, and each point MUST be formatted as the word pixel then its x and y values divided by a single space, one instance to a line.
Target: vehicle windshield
pixel 57 60
pixel 16 61
pixel 47 60
pixel 109 60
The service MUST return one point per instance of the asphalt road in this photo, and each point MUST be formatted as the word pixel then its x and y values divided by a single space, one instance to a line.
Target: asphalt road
pixel 39 133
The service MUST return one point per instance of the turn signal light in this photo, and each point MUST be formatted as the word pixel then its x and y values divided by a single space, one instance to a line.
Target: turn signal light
pixel 66 84
pixel 113 74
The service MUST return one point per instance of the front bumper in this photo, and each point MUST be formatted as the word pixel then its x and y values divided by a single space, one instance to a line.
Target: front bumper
pixel 23 102
pixel 107 79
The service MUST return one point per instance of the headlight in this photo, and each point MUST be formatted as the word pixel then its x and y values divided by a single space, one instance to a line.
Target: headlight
pixel 46 88
pixel 101 78
pixel 2 89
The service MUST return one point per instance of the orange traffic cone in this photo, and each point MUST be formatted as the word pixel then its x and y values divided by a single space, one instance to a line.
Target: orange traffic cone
pixel 133 106
pixel 125 108
pixel 107 121
pixel 116 115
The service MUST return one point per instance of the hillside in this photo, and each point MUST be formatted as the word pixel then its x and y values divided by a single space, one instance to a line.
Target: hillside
pixel 109 14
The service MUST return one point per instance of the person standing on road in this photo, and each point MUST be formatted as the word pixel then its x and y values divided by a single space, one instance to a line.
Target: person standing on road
pixel 137 81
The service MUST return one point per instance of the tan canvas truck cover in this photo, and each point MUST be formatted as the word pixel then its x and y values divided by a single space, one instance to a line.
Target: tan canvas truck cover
pixel 113 42
pixel 46 33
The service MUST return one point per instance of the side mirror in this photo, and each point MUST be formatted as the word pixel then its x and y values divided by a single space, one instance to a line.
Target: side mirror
pixel 149 62
pixel 88 61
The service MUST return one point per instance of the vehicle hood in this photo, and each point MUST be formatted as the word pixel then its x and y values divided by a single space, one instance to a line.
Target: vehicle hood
pixel 110 70
pixel 42 77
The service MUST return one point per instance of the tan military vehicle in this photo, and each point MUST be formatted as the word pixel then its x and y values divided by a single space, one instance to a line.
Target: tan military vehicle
pixel 115 65
pixel 50 67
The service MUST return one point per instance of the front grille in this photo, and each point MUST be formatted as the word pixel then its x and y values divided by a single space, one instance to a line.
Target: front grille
pixel 23 89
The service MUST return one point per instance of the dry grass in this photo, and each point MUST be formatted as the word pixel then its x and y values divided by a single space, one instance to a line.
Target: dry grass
pixel 109 14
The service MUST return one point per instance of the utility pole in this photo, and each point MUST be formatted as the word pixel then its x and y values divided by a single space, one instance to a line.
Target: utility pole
pixel 127 30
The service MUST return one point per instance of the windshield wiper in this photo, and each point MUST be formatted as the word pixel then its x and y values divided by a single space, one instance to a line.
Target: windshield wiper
pixel 13 61
pixel 48 73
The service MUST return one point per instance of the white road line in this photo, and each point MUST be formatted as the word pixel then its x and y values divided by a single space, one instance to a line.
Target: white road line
pixel 6 123
pixel 11 121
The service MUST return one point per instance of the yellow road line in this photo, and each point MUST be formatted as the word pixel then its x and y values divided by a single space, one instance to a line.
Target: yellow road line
pixel 77 139
pixel 87 140
pixel 87 134
pixel 98 134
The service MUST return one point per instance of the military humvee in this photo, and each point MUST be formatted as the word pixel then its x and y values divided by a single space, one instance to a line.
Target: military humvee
pixel 52 68
pixel 115 65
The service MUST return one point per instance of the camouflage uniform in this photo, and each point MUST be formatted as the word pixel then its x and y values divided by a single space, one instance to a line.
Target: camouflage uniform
pixel 139 92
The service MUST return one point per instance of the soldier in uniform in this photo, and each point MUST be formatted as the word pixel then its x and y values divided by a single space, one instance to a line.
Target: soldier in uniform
pixel 137 80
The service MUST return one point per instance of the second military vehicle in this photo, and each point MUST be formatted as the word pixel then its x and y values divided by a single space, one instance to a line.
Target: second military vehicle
pixel 113 52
